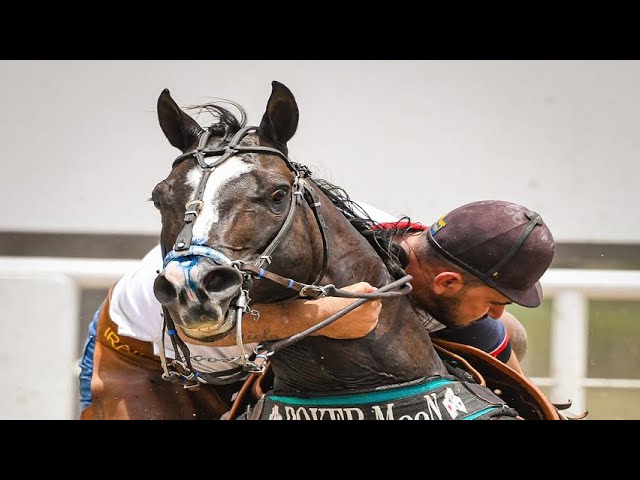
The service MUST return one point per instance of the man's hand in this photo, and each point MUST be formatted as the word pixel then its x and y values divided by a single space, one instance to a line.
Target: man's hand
pixel 355 324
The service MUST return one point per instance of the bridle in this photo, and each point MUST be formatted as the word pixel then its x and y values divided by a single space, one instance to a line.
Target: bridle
pixel 183 372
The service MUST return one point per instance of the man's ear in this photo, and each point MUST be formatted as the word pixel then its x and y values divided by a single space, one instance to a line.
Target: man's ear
pixel 447 283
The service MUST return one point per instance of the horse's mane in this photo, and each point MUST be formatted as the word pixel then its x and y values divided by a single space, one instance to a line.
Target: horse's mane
pixel 381 240
pixel 225 122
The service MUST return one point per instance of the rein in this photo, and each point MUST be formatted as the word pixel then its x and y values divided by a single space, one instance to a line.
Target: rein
pixel 330 290
pixel 183 372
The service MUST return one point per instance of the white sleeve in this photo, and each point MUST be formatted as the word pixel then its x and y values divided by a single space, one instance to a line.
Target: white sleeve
pixel 376 214
pixel 134 307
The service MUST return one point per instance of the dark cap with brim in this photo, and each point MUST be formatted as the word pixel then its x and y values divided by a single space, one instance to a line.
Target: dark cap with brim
pixel 506 245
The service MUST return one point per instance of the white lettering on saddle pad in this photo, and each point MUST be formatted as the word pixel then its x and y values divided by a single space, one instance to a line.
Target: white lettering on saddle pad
pixel 275 413
pixel 429 406
pixel 430 411
pixel 314 413
pixel 453 403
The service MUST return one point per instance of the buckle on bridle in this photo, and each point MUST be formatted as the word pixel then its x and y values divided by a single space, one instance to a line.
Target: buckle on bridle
pixel 259 364
pixel 172 376
pixel 313 291
pixel 198 204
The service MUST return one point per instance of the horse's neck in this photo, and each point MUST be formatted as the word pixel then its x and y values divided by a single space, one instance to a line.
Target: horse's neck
pixel 398 350
pixel 351 258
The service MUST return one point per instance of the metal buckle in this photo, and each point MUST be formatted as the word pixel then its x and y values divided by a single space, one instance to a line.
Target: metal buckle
pixel 260 363
pixel 318 291
pixel 172 376
pixel 198 207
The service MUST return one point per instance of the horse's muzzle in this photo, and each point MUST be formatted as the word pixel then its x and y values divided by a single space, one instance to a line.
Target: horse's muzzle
pixel 197 289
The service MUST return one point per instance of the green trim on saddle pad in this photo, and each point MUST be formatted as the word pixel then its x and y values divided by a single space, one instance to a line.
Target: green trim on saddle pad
pixel 363 398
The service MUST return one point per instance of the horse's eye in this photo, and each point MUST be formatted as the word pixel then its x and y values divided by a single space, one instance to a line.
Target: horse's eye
pixel 279 195
pixel 156 202
pixel 159 191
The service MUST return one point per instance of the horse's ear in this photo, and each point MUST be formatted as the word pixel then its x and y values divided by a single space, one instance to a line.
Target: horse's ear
pixel 280 120
pixel 181 130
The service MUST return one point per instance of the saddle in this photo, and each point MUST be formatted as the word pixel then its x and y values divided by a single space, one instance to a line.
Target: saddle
pixel 514 388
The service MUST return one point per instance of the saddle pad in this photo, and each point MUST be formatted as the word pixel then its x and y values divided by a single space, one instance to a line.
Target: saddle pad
pixel 440 398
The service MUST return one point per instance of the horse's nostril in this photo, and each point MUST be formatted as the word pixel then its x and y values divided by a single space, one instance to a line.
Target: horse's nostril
pixel 221 278
pixel 164 290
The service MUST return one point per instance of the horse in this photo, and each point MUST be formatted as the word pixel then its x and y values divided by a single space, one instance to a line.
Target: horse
pixel 243 224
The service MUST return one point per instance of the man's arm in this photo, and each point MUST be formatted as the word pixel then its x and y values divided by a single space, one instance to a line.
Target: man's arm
pixel 278 321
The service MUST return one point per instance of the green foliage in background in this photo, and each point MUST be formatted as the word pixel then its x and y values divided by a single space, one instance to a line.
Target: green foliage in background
pixel 614 339
pixel 613 352
pixel 537 322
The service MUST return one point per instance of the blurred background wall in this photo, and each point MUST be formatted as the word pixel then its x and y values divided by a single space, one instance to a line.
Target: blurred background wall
pixel 82 149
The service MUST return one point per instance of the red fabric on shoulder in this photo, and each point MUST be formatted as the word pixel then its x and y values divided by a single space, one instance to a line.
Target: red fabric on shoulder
pixel 389 225
pixel 499 349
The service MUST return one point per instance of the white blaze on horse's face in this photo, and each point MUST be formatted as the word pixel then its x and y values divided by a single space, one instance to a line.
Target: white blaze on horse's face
pixel 229 171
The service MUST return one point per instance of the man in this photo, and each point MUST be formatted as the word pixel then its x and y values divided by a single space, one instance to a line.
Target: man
pixel 447 287
pixel 466 268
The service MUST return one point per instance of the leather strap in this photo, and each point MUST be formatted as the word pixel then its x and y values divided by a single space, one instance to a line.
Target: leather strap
pixel 467 366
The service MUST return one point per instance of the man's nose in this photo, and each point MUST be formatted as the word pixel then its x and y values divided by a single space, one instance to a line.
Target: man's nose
pixel 496 311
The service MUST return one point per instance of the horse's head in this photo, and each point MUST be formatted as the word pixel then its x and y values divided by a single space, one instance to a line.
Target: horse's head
pixel 241 222
pixel 229 201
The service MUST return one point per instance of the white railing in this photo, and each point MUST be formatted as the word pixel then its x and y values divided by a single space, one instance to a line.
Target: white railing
pixel 85 272
pixel 570 288
pixel 40 315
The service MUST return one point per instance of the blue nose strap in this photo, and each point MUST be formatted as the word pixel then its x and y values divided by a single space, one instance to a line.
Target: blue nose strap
pixel 199 250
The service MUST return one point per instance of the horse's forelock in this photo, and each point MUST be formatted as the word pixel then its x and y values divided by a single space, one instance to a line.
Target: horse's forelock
pixel 223 121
